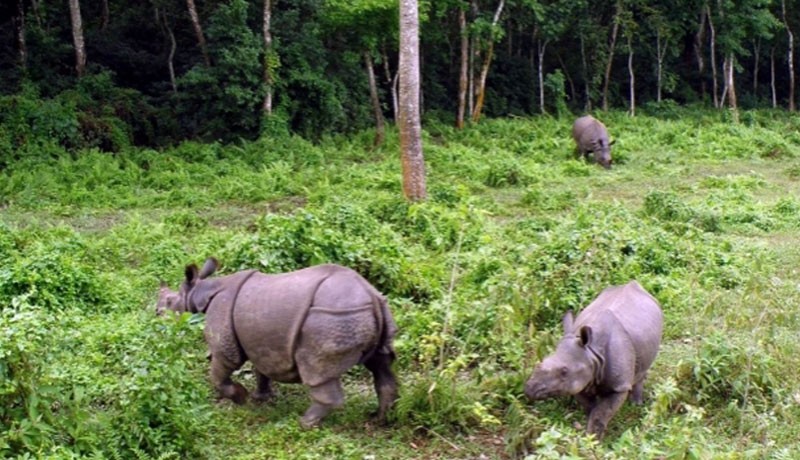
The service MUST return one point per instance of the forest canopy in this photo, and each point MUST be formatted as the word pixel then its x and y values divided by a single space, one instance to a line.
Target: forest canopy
pixel 113 73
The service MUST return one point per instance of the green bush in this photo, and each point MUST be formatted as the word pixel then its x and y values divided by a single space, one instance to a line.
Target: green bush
pixel 54 278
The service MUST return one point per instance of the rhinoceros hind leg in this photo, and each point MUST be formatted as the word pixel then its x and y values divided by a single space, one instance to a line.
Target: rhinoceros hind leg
pixel 385 384
pixel 263 390
pixel 221 372
pixel 325 398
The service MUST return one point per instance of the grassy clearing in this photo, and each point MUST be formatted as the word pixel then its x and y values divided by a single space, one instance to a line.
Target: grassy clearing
pixel 704 213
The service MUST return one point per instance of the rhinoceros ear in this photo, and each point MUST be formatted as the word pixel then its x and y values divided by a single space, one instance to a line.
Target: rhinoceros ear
pixel 567 322
pixel 209 267
pixel 586 336
pixel 191 274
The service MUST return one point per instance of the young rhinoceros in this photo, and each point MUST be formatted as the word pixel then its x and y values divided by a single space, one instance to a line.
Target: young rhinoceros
pixel 604 355
pixel 591 136
pixel 308 326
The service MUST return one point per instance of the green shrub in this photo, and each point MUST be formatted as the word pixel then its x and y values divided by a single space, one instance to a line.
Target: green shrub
pixel 53 277
pixel 724 370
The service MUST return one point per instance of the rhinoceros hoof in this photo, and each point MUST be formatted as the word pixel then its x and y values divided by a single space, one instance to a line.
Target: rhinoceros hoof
pixel 262 397
pixel 309 423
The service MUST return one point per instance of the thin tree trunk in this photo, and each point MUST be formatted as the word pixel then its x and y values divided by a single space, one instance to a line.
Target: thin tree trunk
pixel 463 74
pixel 789 56
pixel 409 116
pixel 380 131
pixel 772 78
pixel 77 37
pixel 198 31
pixel 105 16
pixel 268 78
pixel 713 46
pixel 756 55
pixel 611 46
pixel 474 55
pixel 699 38
pixel 19 28
pixel 632 78
pixel 35 8
pixel 540 53
pixel 391 82
pixel 588 105
pixel 476 114
pixel 572 93
pixel 162 19
pixel 660 54
pixel 730 86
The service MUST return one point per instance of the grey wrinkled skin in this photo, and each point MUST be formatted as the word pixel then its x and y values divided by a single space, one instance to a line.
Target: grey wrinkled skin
pixel 604 355
pixel 308 326
pixel 591 136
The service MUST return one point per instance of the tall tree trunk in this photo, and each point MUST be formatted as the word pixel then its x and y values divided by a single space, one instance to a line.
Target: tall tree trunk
pixel 756 56
pixel 409 123
pixel 105 16
pixel 476 114
pixel 772 78
pixel 540 49
pixel 632 78
pixel 713 48
pixel 77 37
pixel 162 19
pixel 19 29
pixel 268 78
pixel 198 31
pixel 463 73
pixel 380 131
pixel 699 39
pixel 611 46
pixel 789 55
pixel 588 105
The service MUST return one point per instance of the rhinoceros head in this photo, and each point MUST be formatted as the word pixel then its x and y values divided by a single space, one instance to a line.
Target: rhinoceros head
pixel 602 155
pixel 180 301
pixel 569 369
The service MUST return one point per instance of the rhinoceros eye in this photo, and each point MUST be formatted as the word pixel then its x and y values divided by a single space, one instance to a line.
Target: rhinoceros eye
pixel 563 371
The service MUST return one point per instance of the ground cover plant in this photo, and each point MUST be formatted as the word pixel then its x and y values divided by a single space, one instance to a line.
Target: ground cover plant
pixel 701 210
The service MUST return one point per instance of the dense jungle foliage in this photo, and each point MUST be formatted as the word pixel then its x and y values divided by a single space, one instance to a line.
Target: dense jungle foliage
pixel 703 211
pixel 146 82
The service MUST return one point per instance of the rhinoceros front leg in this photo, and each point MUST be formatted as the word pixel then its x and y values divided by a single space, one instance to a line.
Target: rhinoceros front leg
pixel 637 393
pixel 605 408
pixel 325 397
pixel 263 388
pixel 221 371
pixel 385 384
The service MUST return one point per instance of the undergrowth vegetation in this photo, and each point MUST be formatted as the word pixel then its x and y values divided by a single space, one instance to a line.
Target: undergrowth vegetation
pixel 700 210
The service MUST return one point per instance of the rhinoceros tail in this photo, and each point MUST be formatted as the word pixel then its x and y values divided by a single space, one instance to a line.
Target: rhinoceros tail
pixel 387 326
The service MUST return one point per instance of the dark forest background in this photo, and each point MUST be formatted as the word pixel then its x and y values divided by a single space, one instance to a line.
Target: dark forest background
pixel 551 56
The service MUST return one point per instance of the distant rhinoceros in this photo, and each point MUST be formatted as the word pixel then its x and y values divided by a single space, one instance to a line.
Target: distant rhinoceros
pixel 591 136
pixel 604 355
pixel 308 326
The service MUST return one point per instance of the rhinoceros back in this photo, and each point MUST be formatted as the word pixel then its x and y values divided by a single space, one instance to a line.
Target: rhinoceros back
pixel 273 310
pixel 635 311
